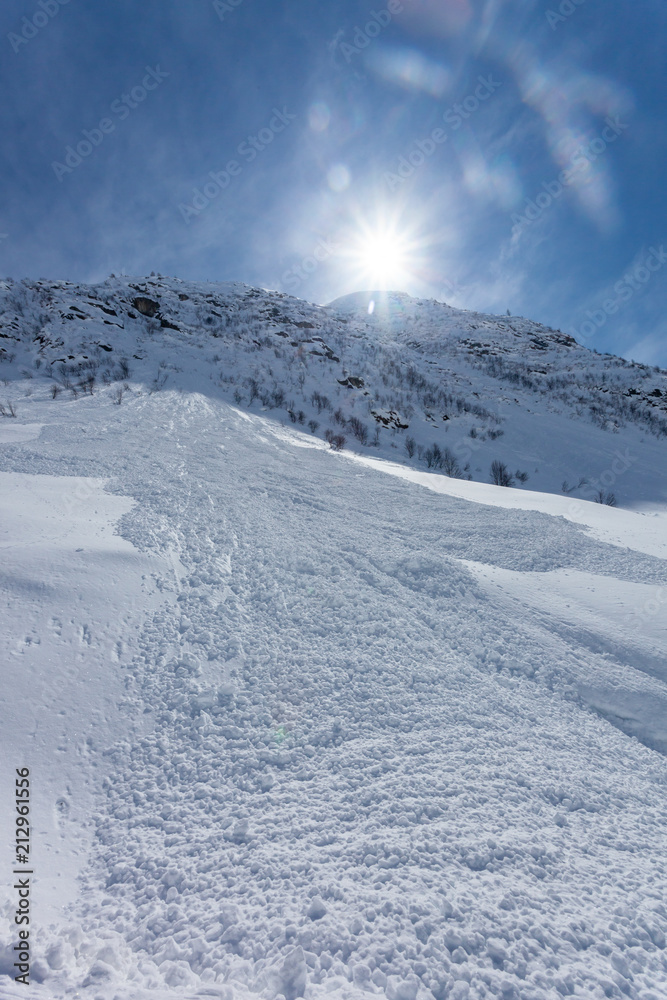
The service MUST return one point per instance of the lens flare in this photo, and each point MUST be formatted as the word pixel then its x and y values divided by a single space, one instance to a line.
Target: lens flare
pixel 319 116
pixel 381 258
pixel 390 248
pixel 338 178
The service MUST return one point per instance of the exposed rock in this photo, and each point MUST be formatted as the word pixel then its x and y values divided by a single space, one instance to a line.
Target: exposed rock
pixel 389 418
pixel 147 307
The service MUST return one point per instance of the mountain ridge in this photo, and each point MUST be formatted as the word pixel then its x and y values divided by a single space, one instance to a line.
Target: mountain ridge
pixel 417 381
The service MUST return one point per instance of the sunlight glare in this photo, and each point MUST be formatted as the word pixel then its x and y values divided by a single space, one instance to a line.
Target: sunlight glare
pixel 392 248
pixel 382 257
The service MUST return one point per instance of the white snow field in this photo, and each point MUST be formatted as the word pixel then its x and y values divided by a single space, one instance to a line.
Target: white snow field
pixel 67 582
pixel 340 739
pixel 306 723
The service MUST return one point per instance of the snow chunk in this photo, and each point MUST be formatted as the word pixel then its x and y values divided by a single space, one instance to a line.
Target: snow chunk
pixel 317 909
pixel 290 980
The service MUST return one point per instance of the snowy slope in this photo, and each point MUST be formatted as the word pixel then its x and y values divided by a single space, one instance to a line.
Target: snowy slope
pixel 308 723
pixel 392 383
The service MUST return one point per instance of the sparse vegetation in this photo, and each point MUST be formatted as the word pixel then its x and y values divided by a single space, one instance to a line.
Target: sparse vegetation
pixel 500 474
pixel 605 497
pixel 336 441
pixel 450 465
pixel 433 457
pixel 159 382
pixel 285 356
pixel 566 488
pixel 359 429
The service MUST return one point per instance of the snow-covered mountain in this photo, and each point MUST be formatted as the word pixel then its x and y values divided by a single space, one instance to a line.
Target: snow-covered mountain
pixel 304 721
pixel 380 373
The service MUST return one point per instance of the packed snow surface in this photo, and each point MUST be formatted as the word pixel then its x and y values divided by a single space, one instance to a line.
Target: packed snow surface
pixel 306 723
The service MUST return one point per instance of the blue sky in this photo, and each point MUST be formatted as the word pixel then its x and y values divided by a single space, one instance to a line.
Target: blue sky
pixel 495 154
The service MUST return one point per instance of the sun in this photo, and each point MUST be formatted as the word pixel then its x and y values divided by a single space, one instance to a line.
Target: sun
pixel 386 248
pixel 380 253
pixel 383 258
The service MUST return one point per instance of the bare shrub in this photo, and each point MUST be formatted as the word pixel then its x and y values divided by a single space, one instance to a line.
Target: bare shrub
pixel 320 401
pixel 566 488
pixel 359 429
pixel 159 382
pixel 337 441
pixel 450 465
pixel 605 497
pixel 433 457
pixel 500 474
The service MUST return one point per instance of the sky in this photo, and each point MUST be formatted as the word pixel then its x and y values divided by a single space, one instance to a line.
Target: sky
pixel 494 154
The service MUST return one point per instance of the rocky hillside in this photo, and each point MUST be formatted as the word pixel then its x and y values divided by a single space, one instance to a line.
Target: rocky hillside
pixel 415 381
